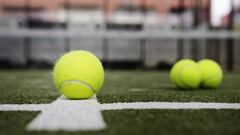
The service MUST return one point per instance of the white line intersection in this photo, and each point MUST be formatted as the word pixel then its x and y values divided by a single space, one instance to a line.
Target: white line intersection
pixel 85 115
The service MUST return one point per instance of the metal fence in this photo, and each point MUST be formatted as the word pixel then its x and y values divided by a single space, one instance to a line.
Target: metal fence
pixel 147 47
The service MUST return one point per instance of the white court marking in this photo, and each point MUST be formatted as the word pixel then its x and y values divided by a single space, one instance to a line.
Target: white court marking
pixel 81 115
pixel 69 115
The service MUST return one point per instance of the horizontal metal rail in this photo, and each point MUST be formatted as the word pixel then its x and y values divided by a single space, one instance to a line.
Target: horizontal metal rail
pixel 120 34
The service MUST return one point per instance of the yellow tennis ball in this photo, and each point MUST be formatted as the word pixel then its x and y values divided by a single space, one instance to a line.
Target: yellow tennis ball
pixel 78 75
pixel 212 73
pixel 185 74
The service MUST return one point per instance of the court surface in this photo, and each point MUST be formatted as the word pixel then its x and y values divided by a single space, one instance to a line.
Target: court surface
pixel 131 102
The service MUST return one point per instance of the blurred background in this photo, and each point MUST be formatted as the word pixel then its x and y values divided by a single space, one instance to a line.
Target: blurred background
pixel 124 34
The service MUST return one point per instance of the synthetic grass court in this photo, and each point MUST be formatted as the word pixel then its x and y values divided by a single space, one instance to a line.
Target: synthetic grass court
pixel 28 87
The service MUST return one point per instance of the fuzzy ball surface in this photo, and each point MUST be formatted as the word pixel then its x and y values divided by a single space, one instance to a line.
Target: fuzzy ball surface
pixel 78 75
pixel 185 74
pixel 212 73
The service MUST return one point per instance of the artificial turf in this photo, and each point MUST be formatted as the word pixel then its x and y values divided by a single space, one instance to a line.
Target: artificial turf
pixel 141 122
pixel 31 86
pixel 36 86
pixel 132 86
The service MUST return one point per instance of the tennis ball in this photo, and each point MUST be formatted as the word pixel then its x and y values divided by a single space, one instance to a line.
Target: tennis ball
pixel 212 73
pixel 185 74
pixel 78 75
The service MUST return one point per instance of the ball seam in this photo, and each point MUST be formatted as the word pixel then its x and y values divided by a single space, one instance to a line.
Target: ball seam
pixel 78 82
pixel 180 78
pixel 210 78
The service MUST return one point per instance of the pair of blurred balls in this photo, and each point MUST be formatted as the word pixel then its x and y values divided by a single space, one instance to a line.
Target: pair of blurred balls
pixel 188 74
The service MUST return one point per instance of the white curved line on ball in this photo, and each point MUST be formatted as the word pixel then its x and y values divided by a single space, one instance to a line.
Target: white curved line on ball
pixel 209 78
pixel 78 82
pixel 179 75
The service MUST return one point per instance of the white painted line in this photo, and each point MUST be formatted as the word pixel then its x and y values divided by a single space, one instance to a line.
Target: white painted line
pixel 23 107
pixel 169 105
pixel 82 115
pixel 69 115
